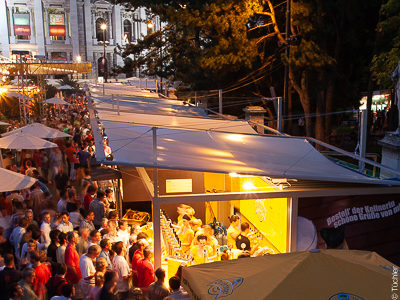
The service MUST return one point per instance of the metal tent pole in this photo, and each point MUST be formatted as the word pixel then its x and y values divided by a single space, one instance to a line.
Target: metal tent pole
pixel 156 207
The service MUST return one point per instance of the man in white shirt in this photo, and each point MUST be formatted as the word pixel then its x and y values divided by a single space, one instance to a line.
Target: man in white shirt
pixel 65 226
pixel 121 267
pixel 123 232
pixel 88 270
pixel 45 229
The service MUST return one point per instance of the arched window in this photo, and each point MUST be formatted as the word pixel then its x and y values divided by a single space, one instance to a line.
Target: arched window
pixel 127 31
pixel 99 32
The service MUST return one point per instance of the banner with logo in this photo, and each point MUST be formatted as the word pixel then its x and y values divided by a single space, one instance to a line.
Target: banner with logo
pixel 57 25
pixel 22 24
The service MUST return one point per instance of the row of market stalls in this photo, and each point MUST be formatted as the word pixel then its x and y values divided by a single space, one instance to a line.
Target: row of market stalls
pixel 170 153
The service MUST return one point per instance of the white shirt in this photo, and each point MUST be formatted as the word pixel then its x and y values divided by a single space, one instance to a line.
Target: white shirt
pixel 121 267
pixel 45 228
pixel 62 205
pixel 65 227
pixel 60 253
pixel 87 268
pixel 124 237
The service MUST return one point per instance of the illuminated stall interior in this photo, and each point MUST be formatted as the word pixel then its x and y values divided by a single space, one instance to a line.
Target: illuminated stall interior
pixel 221 168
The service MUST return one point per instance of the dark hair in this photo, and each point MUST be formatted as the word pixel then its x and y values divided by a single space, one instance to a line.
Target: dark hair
pixel 244 254
pixel 54 234
pixel 62 237
pixel 201 237
pixel 28 272
pixel 71 207
pixel 121 222
pixel 64 213
pixel 333 237
pixel 233 218
pixel 103 243
pixel 244 226
pixel 93 233
pixel 8 259
pixel 35 256
pixel 108 191
pixel 174 283
pixel 117 247
pixel 186 217
pixel 160 273
pixel 100 194
pixel 23 222
pixel 147 251
pixel 60 268
pixel 66 290
pixel 108 277
pixel 142 235
pixel 91 189
pixel 36 234
pixel 112 215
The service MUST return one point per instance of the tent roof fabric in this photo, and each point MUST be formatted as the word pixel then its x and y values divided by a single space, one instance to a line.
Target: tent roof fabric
pixel 149 106
pixel 39 130
pixel 325 274
pixel 21 140
pixel 167 121
pixel 12 181
pixel 222 152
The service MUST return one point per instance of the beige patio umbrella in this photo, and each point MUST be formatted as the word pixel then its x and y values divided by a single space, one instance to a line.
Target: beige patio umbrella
pixel 56 100
pixel 12 181
pixel 24 141
pixel 39 130
pixel 3 123
pixel 66 87
pixel 324 274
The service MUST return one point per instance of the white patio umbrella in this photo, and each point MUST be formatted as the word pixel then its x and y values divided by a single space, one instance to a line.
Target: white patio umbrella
pixel 56 100
pixel 39 130
pixel 3 123
pixel 24 141
pixel 66 87
pixel 13 181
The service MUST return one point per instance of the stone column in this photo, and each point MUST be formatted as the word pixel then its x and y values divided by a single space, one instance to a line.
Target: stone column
pixel 12 37
pixel 117 24
pixel 47 27
pixel 255 114
pixel 390 154
pixel 88 31
pixel 73 16
pixel 39 27
pixel 4 44
pixel 33 30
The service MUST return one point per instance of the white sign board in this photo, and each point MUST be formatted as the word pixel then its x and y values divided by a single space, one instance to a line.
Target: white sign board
pixel 179 185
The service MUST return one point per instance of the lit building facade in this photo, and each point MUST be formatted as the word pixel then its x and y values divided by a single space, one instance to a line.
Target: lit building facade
pixel 69 29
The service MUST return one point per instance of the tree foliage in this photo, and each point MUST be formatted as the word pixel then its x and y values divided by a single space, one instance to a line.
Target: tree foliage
pixel 388 43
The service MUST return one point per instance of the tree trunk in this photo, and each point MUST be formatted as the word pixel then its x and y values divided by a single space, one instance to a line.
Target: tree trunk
pixel 330 91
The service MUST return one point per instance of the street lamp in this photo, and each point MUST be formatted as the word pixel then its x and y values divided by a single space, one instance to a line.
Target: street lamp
pixel 104 28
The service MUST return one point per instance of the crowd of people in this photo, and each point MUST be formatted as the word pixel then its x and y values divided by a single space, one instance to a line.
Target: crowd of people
pixel 61 238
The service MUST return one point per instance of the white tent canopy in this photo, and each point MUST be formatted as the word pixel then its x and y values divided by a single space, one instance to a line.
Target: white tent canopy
pixel 148 106
pixel 56 100
pixel 205 151
pixel 39 130
pixel 24 141
pixel 168 121
pixel 12 181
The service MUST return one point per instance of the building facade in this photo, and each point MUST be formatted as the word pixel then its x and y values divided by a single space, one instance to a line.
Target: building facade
pixel 70 29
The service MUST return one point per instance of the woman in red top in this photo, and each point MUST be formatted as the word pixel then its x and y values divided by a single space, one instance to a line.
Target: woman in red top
pixel 73 274
pixel 42 275
pixel 88 197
